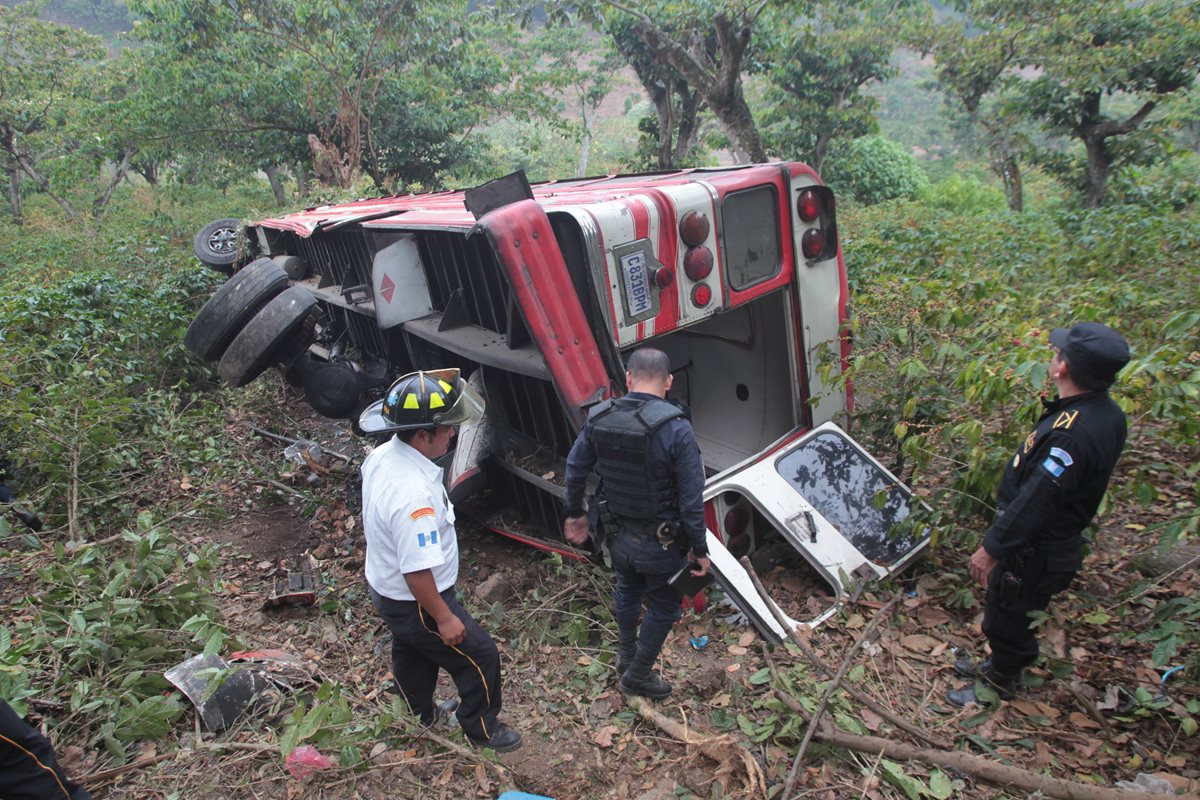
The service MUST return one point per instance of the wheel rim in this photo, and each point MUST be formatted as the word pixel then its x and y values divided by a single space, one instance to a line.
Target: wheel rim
pixel 223 240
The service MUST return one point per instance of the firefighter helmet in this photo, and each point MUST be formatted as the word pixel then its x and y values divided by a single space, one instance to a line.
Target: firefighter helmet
pixel 424 399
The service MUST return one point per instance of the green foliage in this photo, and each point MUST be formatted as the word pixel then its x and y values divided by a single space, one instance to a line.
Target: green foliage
pixel 872 169
pixel 819 65
pixel 109 623
pixel 963 194
pixel 96 383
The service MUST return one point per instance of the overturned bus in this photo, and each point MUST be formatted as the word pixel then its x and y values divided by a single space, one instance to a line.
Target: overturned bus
pixel 537 293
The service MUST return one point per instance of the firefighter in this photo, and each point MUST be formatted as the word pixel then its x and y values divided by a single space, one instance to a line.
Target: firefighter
pixel 651 508
pixel 412 555
pixel 1049 494
pixel 28 767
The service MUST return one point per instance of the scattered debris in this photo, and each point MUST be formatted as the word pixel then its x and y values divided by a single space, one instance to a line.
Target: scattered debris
pixel 234 693
pixel 295 587
pixel 305 760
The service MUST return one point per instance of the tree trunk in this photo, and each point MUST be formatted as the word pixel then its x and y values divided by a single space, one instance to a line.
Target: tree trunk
pixel 302 185
pixel 819 151
pixel 720 83
pixel 119 173
pixel 1098 162
pixel 14 193
pixel 689 125
pixel 585 146
pixel 148 169
pixel 276 184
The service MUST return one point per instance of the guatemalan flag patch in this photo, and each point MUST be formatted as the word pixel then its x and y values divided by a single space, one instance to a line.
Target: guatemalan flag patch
pixel 424 539
pixel 1057 462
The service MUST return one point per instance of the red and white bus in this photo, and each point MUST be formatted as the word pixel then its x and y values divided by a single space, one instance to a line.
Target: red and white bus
pixel 538 292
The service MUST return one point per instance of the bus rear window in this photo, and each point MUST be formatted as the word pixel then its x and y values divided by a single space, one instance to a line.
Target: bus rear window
pixel 750 226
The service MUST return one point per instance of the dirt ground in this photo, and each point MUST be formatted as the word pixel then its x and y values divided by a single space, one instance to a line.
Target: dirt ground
pixel 584 740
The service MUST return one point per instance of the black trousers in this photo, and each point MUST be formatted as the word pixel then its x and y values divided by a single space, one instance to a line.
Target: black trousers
pixel 418 653
pixel 28 768
pixel 1006 608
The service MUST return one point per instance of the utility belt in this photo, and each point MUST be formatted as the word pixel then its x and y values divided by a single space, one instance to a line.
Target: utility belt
pixel 665 534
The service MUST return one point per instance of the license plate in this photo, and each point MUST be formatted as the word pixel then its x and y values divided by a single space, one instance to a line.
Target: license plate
pixel 637 283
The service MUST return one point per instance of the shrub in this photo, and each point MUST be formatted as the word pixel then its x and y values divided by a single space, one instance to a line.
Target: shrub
pixel 873 169
pixel 963 194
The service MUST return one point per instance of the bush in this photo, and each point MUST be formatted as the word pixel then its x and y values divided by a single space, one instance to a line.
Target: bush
pixel 872 169
pixel 963 194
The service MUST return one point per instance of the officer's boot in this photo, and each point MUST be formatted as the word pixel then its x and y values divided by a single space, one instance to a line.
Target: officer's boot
pixel 640 679
pixel 1005 684
pixel 626 650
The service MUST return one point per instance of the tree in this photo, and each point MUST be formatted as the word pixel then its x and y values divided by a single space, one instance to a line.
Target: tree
pixel 677 124
pixel 818 63
pixel 1091 71
pixel 582 65
pixel 705 41
pixel 45 73
pixel 387 87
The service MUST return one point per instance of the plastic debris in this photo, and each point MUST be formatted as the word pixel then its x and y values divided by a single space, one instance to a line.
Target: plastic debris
pixel 305 760
pixel 1148 784
pixel 1171 673
pixel 699 642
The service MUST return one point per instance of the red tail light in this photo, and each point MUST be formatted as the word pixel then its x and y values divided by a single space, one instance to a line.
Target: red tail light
pixel 701 295
pixel 698 263
pixel 664 277
pixel 693 228
pixel 812 243
pixel 808 205
pixel 736 520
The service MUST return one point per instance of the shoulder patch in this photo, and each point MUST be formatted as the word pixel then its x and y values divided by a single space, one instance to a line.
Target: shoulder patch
pixel 427 511
pixel 1065 420
pixel 1062 455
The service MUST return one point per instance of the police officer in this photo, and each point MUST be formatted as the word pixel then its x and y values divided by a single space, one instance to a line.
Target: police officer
pixel 651 493
pixel 1049 493
pixel 28 768
pixel 412 555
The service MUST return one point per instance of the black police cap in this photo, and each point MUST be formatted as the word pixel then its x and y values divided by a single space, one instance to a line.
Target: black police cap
pixel 1092 350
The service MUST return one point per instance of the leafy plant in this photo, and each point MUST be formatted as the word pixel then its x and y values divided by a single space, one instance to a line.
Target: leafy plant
pixel 872 169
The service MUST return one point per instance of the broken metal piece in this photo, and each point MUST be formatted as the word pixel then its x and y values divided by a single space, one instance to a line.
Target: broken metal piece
pixel 297 587
pixel 233 691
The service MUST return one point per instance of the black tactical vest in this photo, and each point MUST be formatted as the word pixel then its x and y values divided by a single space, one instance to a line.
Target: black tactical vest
pixel 621 431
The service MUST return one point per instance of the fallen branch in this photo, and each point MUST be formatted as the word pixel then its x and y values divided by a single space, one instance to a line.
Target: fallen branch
pixel 867 635
pixel 855 692
pixel 978 766
pixel 290 440
pixel 463 752
pixel 721 749
pixel 724 750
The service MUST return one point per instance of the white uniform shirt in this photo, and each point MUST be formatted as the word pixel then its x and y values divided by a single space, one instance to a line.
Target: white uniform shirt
pixel 408 520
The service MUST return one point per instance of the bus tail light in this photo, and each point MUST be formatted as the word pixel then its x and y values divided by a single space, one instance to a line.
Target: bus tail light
pixel 698 263
pixel 693 228
pixel 812 243
pixel 701 295
pixel 808 205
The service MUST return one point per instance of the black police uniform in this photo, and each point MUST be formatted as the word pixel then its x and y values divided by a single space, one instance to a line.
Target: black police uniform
pixel 28 768
pixel 651 493
pixel 1050 491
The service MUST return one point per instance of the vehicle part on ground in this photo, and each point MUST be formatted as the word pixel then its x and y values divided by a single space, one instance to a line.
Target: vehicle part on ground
pixel 232 306
pixel 275 336
pixel 216 245
pixel 240 691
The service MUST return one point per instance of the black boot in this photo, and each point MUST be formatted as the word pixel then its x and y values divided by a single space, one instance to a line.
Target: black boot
pixel 1005 684
pixel 640 679
pixel 966 667
pixel 626 650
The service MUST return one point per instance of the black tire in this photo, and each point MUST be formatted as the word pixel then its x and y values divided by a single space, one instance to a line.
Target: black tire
pixel 232 306
pixel 216 245
pixel 294 266
pixel 269 336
